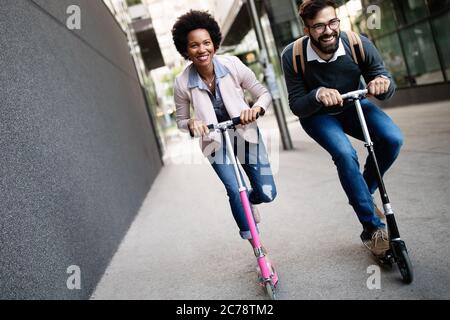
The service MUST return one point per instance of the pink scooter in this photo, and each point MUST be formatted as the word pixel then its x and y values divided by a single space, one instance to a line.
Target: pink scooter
pixel 268 277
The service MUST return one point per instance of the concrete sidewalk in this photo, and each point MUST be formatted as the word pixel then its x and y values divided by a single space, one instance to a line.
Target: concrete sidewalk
pixel 184 243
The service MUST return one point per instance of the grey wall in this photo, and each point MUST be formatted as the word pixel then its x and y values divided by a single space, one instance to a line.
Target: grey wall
pixel 77 150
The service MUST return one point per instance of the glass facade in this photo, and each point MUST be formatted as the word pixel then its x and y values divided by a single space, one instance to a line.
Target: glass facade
pixel 410 11
pixel 413 36
pixel 390 50
pixel 441 25
pixel 421 54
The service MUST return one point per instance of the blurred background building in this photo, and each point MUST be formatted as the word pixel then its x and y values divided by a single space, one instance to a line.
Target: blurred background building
pixel 412 36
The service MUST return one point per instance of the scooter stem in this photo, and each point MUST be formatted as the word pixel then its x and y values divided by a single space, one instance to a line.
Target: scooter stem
pixel 232 158
pixel 242 190
pixel 362 120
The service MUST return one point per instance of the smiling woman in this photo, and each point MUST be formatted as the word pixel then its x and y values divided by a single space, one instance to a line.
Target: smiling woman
pixel 214 85
pixel 200 50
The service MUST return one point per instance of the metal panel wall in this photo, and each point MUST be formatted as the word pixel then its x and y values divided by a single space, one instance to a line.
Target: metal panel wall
pixel 77 151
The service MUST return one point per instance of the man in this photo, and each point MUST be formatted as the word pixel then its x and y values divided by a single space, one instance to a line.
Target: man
pixel 315 97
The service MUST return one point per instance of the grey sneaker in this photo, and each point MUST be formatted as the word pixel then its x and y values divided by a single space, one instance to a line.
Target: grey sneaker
pixel 256 215
pixel 378 243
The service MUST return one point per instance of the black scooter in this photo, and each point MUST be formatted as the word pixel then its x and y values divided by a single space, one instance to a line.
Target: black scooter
pixel 397 253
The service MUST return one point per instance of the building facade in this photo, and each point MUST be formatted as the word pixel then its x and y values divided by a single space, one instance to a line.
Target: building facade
pixel 413 37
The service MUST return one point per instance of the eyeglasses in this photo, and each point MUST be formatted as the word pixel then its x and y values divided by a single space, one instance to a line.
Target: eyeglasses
pixel 321 27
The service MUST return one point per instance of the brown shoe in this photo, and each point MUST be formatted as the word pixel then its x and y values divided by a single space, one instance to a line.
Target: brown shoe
pixel 379 243
pixel 256 215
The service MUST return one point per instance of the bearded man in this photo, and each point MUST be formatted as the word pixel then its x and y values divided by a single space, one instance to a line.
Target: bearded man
pixel 328 70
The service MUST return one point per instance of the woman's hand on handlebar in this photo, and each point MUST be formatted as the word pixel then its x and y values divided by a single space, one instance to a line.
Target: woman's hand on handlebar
pixel 250 115
pixel 197 128
pixel 330 97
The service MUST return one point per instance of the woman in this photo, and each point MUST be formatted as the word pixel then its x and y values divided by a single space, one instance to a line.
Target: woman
pixel 214 85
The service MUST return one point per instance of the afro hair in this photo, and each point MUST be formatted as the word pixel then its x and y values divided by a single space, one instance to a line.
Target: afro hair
pixel 193 20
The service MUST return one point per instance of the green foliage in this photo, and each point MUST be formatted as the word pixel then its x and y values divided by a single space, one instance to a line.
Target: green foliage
pixel 169 78
pixel 133 2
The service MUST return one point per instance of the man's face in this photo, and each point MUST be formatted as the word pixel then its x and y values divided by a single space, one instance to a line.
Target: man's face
pixel 323 30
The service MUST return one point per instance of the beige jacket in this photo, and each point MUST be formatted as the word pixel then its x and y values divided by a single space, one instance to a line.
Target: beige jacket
pixel 232 87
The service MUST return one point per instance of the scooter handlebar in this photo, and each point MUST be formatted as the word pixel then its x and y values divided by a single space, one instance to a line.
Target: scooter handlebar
pixel 354 94
pixel 226 124
pixel 232 122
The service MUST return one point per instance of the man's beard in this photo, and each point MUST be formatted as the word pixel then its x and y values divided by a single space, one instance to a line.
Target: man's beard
pixel 327 49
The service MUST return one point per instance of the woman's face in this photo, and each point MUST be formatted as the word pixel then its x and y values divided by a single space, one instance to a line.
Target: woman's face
pixel 200 47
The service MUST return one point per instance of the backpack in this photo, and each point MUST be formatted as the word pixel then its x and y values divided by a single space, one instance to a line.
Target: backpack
pixel 355 44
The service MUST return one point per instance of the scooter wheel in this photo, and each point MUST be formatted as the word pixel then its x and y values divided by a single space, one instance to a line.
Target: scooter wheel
pixel 270 289
pixel 405 266
pixel 386 260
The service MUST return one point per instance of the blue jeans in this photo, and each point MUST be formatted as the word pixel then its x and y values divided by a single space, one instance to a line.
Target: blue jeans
pixel 254 161
pixel 330 132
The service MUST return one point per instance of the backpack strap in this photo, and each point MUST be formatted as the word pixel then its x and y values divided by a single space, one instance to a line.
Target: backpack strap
pixel 297 53
pixel 357 48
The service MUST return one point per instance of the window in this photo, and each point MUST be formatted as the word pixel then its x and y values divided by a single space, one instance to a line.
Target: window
pixel 441 26
pixel 286 32
pixel 390 50
pixel 410 11
pixel 438 5
pixel 421 54
pixel 387 18
pixel 366 3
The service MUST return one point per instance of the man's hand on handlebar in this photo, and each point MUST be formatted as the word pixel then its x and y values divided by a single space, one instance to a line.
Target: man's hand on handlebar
pixel 249 115
pixel 378 86
pixel 330 97
pixel 197 128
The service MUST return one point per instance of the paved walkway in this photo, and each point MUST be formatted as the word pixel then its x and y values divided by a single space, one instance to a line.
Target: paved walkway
pixel 184 243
